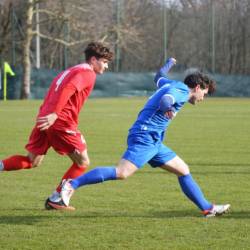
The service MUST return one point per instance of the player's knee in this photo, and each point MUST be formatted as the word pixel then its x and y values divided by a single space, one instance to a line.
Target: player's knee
pixel 83 162
pixel 36 163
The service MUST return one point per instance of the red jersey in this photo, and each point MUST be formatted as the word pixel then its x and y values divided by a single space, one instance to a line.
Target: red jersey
pixel 67 94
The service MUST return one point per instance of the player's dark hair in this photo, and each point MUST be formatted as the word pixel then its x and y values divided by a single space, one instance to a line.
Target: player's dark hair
pixel 201 79
pixel 98 50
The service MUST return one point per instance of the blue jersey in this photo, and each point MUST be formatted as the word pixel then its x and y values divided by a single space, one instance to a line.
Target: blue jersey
pixel 151 119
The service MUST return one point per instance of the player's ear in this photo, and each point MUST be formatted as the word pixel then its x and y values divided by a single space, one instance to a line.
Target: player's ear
pixel 197 87
pixel 92 59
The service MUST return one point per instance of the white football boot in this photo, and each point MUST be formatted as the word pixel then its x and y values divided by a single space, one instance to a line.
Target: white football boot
pixel 216 210
pixel 67 191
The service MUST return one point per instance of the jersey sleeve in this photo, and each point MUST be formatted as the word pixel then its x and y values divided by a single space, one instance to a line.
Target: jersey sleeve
pixel 166 103
pixel 162 73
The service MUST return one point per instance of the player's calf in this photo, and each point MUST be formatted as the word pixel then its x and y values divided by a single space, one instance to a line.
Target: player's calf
pixel 16 162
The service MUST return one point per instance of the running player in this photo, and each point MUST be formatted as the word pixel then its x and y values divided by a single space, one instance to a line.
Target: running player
pixel 57 120
pixel 145 140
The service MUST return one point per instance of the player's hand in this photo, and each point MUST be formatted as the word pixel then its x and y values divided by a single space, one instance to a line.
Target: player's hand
pixel 44 122
pixel 170 114
pixel 172 59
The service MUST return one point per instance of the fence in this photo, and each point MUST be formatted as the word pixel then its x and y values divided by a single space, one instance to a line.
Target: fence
pixel 124 84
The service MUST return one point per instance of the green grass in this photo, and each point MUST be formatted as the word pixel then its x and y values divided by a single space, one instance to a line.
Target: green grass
pixel 148 210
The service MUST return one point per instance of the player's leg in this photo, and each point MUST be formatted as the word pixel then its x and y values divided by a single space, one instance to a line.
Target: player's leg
pixel 80 163
pixel 36 147
pixel 136 155
pixel 35 159
pixel 18 162
pixel 139 152
pixel 188 185
pixel 123 170
pixel 73 144
pixel 191 189
pixel 15 162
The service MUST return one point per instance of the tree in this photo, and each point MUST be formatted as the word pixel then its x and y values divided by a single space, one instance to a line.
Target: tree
pixel 197 34
pixel 5 20
pixel 83 23
pixel 25 90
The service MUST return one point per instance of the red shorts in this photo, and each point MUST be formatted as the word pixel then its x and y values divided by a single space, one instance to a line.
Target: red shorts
pixel 62 141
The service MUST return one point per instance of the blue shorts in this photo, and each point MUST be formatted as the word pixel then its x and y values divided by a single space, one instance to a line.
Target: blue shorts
pixel 144 149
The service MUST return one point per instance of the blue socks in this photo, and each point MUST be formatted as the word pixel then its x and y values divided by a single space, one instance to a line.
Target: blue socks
pixel 193 192
pixel 187 183
pixel 96 175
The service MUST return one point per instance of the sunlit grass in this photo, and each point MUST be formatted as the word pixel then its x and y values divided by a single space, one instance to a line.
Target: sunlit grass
pixel 148 210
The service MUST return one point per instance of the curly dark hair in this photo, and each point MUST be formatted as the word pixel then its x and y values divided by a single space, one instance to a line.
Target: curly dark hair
pixel 97 50
pixel 201 79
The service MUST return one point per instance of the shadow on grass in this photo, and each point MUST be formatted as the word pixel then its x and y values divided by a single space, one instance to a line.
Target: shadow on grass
pixel 191 213
pixel 23 219
pixel 187 214
pixel 203 172
pixel 219 164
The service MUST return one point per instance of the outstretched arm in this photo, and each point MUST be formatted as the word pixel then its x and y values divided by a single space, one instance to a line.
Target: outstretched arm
pixel 162 73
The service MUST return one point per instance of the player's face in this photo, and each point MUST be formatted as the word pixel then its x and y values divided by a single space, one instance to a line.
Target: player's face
pixel 198 95
pixel 100 65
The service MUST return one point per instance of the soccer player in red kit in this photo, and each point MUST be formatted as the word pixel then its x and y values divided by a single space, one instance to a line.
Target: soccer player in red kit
pixel 57 120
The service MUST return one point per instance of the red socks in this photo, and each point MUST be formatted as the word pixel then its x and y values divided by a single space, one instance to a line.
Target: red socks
pixel 16 162
pixel 73 172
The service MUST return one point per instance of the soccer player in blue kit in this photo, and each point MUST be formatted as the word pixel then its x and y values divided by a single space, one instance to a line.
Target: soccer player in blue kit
pixel 145 140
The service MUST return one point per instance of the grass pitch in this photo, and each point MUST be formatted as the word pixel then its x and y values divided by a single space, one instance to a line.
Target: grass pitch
pixel 148 210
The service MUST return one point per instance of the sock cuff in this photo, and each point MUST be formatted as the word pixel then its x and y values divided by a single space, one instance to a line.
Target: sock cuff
pixel 1 166
pixel 185 176
pixel 83 167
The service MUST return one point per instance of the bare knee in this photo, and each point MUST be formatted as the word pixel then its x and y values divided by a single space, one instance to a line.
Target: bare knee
pixel 80 158
pixel 36 160
pixel 36 163
pixel 83 162
pixel 125 169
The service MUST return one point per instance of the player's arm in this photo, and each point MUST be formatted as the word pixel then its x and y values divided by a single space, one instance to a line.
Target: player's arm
pixel 161 77
pixel 166 105
pixel 44 122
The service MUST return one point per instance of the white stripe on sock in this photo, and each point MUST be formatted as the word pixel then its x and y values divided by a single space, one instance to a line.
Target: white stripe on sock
pixel 1 166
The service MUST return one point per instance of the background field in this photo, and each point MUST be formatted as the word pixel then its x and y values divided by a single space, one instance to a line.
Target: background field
pixel 147 211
